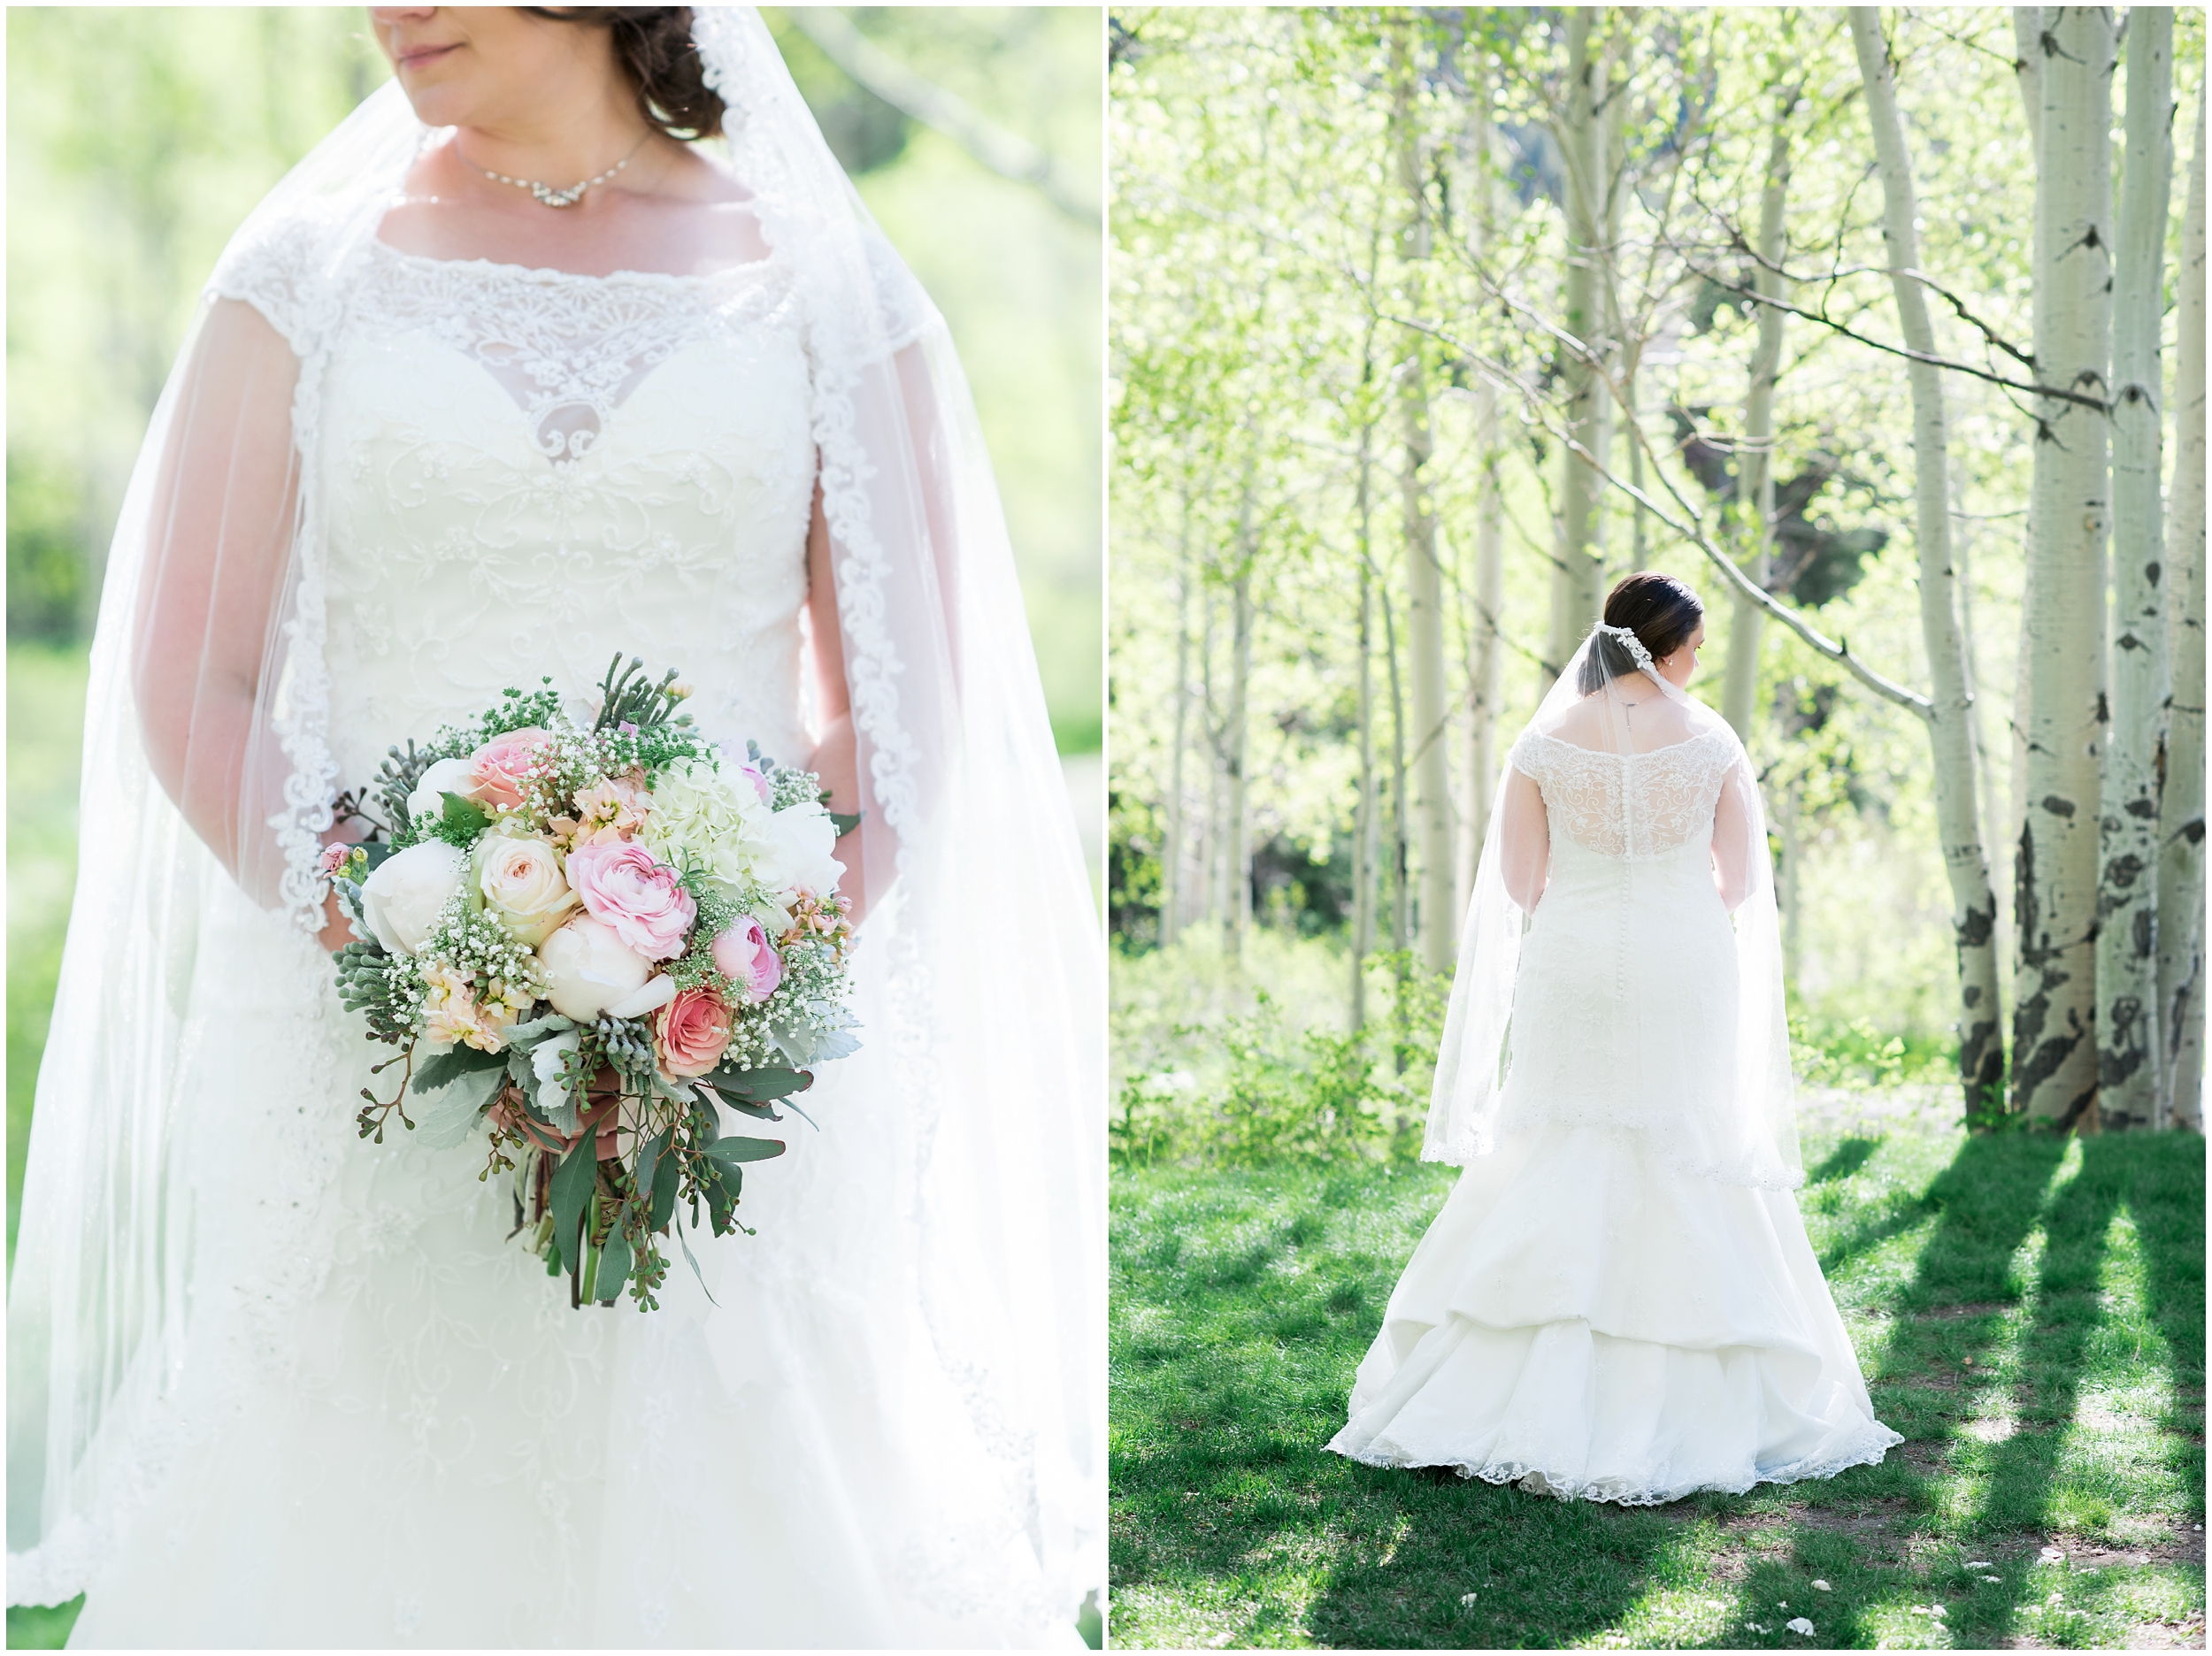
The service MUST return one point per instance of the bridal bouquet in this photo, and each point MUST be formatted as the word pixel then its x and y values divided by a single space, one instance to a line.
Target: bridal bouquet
pixel 587 940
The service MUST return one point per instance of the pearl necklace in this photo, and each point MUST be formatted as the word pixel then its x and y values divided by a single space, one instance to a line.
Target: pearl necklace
pixel 546 193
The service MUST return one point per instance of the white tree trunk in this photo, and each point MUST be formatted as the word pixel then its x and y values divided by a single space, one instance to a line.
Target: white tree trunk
pixel 1364 831
pixel 1237 830
pixel 1950 732
pixel 2027 29
pixel 1486 651
pixel 1754 469
pixel 1577 576
pixel 2181 809
pixel 1171 850
pixel 2055 1004
pixel 2130 1052
pixel 1425 580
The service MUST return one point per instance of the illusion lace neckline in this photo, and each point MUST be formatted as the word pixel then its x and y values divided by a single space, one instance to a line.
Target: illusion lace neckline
pixel 550 276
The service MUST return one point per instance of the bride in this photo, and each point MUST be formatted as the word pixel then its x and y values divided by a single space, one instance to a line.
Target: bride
pixel 1618 1301
pixel 513 373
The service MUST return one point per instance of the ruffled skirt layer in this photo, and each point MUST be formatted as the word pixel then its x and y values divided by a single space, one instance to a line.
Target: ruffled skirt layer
pixel 1583 1317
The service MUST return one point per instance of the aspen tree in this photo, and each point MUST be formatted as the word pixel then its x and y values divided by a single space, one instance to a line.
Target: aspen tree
pixel 1755 468
pixel 1577 595
pixel 2129 1050
pixel 1425 580
pixel 2055 1004
pixel 2181 807
pixel 1949 714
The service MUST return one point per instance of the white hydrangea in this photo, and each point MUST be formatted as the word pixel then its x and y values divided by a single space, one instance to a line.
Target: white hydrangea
pixel 705 816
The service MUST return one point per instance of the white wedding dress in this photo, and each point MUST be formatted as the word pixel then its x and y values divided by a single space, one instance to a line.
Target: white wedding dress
pixel 402 1434
pixel 1618 1301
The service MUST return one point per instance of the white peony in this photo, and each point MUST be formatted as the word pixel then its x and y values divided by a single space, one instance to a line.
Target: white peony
pixel 401 897
pixel 798 845
pixel 523 885
pixel 444 776
pixel 588 969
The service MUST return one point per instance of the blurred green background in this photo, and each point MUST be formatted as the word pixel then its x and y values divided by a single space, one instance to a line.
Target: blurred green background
pixel 139 138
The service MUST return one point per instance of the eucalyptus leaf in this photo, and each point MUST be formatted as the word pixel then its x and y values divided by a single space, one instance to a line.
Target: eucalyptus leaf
pixel 758 1112
pixel 667 1176
pixel 614 1267
pixel 757 1087
pixel 572 1182
pixel 647 1161
pixel 845 822
pixel 443 1069
pixel 729 1152
pixel 685 1244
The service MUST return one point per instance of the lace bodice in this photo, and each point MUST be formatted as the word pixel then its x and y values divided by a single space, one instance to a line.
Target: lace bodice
pixel 1635 806
pixel 524 471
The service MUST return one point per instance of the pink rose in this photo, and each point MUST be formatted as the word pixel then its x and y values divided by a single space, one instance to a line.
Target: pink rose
pixel 645 903
pixel 690 1034
pixel 744 956
pixel 499 767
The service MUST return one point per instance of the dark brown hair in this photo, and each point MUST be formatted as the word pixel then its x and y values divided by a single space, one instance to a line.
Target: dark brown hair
pixel 1661 610
pixel 653 44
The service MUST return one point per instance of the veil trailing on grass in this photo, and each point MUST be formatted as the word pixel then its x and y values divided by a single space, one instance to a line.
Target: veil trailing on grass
pixel 1628 774
pixel 208 764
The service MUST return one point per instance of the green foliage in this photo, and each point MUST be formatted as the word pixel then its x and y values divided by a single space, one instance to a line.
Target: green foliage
pixel 46 691
pixel 1836 1052
pixel 48 589
pixel 2029 1311
pixel 1276 1093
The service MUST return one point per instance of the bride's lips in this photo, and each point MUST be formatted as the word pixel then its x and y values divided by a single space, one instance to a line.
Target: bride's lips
pixel 420 57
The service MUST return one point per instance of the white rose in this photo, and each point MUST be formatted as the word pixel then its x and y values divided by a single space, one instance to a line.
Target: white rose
pixel 523 885
pixel 796 853
pixel 588 967
pixel 402 897
pixel 445 776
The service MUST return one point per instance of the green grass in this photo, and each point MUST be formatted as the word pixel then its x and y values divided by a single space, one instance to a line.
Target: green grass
pixel 2028 1311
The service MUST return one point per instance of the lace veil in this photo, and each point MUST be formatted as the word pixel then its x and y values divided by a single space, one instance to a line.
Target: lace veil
pixel 206 760
pixel 1619 781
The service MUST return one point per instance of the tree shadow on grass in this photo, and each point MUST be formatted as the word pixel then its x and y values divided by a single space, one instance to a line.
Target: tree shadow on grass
pixel 2008 1470
pixel 1844 1160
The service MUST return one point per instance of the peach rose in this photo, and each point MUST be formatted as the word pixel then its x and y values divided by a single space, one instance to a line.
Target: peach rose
pixel 691 1033
pixel 500 767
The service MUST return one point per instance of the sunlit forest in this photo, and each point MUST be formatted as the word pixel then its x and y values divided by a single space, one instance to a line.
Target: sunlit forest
pixel 1414 353
pixel 1884 331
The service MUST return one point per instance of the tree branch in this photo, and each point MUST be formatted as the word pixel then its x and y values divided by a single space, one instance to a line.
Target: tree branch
pixel 1007 154
pixel 1852 334
pixel 1687 527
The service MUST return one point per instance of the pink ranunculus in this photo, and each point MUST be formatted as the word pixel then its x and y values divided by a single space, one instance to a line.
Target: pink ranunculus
pixel 499 767
pixel 690 1034
pixel 744 956
pixel 643 901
